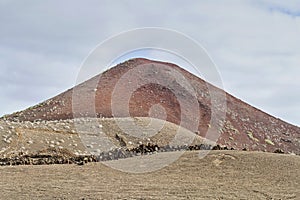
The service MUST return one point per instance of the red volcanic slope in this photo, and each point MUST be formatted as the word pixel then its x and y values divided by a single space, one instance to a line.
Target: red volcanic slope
pixel 243 126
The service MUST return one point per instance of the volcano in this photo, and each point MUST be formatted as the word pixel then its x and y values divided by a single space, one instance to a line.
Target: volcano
pixel 111 94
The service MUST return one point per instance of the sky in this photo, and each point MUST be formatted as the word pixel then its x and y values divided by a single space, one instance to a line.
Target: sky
pixel 254 44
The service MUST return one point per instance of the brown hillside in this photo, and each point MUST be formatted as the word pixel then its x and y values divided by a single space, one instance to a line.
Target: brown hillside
pixel 243 127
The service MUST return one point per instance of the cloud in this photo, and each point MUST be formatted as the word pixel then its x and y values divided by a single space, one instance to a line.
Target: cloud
pixel 255 45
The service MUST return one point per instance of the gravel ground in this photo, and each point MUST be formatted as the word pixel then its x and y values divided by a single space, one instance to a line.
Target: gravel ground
pixel 89 135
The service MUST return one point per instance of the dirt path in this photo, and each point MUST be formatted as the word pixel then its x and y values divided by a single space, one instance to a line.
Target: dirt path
pixel 220 175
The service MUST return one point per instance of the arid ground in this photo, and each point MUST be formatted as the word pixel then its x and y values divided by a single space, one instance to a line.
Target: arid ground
pixel 220 175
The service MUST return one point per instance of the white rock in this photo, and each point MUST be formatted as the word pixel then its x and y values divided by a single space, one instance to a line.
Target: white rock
pixel 30 142
pixel 51 145
pixel 8 141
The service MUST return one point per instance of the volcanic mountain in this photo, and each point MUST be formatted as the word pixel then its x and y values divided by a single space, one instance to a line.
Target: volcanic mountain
pixel 146 88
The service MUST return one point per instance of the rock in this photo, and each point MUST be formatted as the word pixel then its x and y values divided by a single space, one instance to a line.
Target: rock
pixel 269 142
pixel 30 142
pixel 121 140
pixel 217 147
pixel 279 151
pixel 80 163
pixel 8 141
pixel 286 140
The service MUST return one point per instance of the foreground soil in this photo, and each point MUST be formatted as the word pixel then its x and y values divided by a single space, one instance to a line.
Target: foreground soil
pixel 219 175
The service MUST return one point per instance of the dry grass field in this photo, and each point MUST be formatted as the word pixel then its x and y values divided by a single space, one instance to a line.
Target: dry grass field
pixel 219 175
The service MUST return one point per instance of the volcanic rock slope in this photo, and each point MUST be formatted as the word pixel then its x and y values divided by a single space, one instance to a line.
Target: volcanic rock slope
pixel 242 127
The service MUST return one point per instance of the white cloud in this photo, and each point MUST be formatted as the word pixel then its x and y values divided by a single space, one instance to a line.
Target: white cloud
pixel 254 43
